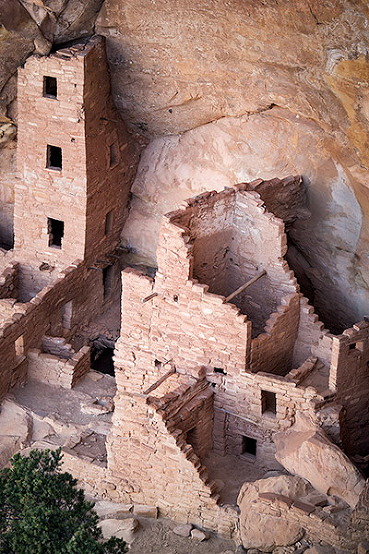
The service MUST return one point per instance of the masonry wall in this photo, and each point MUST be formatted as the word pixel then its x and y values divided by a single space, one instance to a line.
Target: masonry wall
pixel 185 325
pixel 175 319
pixel 109 155
pixel 41 192
pixel 43 315
pixel 9 282
pixel 57 371
pixel 349 377
pixel 90 192
pixel 240 411
pixel 160 465
pixel 233 238
pixel 312 338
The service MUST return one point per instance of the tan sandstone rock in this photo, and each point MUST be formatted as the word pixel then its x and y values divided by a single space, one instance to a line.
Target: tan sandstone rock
pixel 121 528
pixel 311 455
pixel 265 531
pixel 15 430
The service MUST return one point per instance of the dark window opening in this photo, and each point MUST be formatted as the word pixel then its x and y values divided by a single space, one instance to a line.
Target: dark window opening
pixel 192 438
pixel 108 281
pixel 113 155
pixel 108 223
pixel 219 370
pixel 54 157
pixel 249 446
pixel 56 232
pixel 50 87
pixel 268 402
pixel 102 360
pixel 352 346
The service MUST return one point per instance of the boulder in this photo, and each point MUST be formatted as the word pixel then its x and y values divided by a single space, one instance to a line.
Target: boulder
pixel 267 531
pixel 112 510
pixel 199 535
pixel 121 528
pixel 145 511
pixel 311 454
pixel 183 530
pixel 15 430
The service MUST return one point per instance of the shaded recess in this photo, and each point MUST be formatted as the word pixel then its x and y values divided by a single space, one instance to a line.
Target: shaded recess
pixel 287 199
pixel 228 248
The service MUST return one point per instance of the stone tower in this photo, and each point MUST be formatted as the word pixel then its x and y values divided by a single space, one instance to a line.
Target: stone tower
pixel 69 199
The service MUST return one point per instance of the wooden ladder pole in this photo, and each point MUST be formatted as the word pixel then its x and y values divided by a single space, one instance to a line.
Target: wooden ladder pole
pixel 244 287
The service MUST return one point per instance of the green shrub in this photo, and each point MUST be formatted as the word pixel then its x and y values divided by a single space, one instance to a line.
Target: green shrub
pixel 43 512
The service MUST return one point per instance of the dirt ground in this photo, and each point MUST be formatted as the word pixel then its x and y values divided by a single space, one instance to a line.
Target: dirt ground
pixel 157 537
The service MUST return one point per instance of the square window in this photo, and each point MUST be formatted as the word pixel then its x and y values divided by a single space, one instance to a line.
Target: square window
pixel 249 446
pixel 268 402
pixel 55 228
pixel 54 157
pixel 50 87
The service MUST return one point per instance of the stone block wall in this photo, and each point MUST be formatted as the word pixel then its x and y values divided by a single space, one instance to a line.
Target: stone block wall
pixel 9 281
pixel 312 337
pixel 43 315
pixel 185 325
pixel 158 462
pixel 109 156
pixel 58 371
pixel 174 321
pixel 74 172
pixel 272 350
pixel 230 239
pixel 43 192
pixel 349 378
pixel 256 407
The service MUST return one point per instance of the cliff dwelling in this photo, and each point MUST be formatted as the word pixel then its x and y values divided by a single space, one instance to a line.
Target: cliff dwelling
pixel 182 349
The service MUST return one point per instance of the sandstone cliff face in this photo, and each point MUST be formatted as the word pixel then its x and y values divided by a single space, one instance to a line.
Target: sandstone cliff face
pixel 229 91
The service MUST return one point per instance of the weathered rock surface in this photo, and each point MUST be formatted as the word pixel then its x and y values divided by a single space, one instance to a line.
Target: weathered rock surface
pixel 291 84
pixel 121 528
pixel 311 455
pixel 15 430
pixel 213 58
pixel 111 510
pixel 183 530
pixel 144 510
pixel 264 531
pixel 269 144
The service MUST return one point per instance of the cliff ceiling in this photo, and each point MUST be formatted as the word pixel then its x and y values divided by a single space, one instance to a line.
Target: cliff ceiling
pixel 226 91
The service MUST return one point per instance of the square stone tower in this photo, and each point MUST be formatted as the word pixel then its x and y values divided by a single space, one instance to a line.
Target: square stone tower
pixel 72 192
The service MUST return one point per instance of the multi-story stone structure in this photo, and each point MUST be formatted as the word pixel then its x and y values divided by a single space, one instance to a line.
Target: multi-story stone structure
pixel 71 201
pixel 221 361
